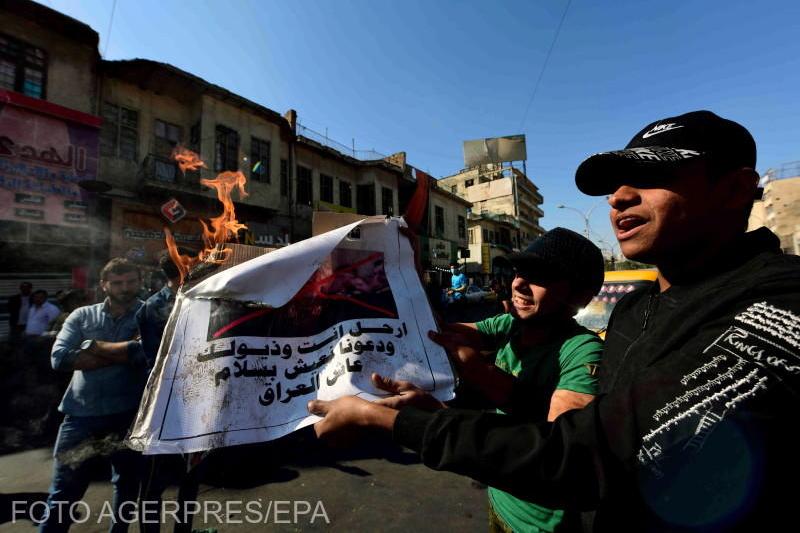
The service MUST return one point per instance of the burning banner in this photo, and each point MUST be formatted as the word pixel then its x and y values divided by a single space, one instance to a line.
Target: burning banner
pixel 247 347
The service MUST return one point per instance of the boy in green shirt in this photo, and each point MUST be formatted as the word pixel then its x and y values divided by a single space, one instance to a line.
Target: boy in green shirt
pixel 536 361
pixel 544 362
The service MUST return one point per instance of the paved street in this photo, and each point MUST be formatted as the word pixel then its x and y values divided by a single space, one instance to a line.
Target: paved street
pixel 357 490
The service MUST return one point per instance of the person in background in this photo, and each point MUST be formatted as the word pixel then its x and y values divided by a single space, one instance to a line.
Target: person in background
pixel 98 344
pixel 152 319
pixel 458 284
pixel 40 315
pixel 18 306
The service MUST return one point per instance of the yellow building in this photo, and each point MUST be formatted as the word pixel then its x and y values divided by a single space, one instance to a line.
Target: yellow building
pixel 779 209
pixel 505 211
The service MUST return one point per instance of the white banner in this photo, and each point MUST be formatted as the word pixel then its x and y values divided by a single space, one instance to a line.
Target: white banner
pixel 246 349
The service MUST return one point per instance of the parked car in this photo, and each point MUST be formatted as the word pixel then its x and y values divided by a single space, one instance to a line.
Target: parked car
pixel 476 294
pixel 616 284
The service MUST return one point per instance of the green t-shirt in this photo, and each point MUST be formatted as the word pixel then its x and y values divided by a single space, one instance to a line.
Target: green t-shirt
pixel 568 362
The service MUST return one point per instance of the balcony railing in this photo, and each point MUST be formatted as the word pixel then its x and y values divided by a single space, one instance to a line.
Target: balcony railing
pixel 496 217
pixel 157 170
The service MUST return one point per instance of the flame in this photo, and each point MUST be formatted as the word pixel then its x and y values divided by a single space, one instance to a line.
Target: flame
pixel 186 159
pixel 220 229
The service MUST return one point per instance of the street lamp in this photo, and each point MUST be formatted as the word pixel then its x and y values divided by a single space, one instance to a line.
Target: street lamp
pixel 610 247
pixel 585 215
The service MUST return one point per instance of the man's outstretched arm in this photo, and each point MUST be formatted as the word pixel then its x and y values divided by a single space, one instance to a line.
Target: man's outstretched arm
pixel 560 464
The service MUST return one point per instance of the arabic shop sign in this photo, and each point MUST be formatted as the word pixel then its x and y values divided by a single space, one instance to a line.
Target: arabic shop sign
pixel 261 234
pixel 42 159
pixel 137 234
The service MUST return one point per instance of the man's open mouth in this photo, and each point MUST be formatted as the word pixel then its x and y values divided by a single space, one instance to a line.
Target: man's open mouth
pixel 628 225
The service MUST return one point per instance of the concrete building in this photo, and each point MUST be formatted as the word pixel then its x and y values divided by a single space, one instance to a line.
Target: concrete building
pixel 505 211
pixel 446 240
pixel 489 236
pixel 49 132
pixel 149 108
pixel 329 180
pixel 779 208
pixel 97 180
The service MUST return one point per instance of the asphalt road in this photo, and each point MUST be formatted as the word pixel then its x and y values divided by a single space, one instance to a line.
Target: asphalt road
pixel 292 484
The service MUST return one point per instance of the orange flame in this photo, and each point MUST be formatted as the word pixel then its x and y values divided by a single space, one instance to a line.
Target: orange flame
pixel 220 229
pixel 186 159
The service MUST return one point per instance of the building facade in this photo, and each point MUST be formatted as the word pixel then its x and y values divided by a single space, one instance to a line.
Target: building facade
pixel 95 178
pixel 446 238
pixel 779 207
pixel 49 145
pixel 505 211
pixel 148 109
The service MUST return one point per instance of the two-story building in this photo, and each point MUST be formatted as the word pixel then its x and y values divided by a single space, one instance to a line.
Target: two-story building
pixel 49 138
pixel 148 109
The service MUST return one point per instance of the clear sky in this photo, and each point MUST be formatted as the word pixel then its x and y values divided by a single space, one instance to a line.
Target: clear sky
pixel 423 75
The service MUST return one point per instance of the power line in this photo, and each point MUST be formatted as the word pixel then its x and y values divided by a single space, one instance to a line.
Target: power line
pixel 544 66
pixel 110 25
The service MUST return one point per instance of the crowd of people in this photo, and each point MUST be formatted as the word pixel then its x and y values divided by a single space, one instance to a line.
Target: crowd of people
pixel 689 424
pixel 679 421
pixel 107 349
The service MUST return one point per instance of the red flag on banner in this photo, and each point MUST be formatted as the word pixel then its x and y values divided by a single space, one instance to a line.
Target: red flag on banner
pixel 419 201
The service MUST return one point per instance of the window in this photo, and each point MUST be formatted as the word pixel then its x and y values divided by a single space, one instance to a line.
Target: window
pixel 23 67
pixel 365 199
pixel 326 188
pixel 469 183
pixel 284 177
pixel 472 236
pixel 439 219
pixel 462 227
pixel 226 149
pixel 119 134
pixel 194 135
pixel 387 201
pixel 259 159
pixel 454 189
pixel 345 194
pixel 485 235
pixel 504 236
pixel 167 137
pixel 304 193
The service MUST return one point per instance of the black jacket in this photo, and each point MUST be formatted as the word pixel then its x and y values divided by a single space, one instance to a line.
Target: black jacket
pixel 695 424
pixel 14 306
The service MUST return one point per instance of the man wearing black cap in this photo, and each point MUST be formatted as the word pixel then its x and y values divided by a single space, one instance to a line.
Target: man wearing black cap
pixel 694 427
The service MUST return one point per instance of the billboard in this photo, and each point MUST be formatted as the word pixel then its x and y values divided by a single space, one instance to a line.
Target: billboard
pixel 494 150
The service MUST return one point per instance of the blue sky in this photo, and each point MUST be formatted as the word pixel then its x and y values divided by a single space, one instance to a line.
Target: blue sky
pixel 422 76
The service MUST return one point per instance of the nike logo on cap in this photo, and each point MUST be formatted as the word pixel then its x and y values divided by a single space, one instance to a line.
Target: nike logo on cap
pixel 660 128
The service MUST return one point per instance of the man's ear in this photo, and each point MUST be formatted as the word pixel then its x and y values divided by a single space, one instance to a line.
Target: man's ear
pixel 738 188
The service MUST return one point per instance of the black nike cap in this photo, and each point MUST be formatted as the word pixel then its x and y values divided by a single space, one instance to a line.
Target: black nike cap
pixel 663 146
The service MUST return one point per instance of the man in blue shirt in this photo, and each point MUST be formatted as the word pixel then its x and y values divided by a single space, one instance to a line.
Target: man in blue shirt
pixel 152 316
pixel 458 284
pixel 98 344
pixel 152 319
